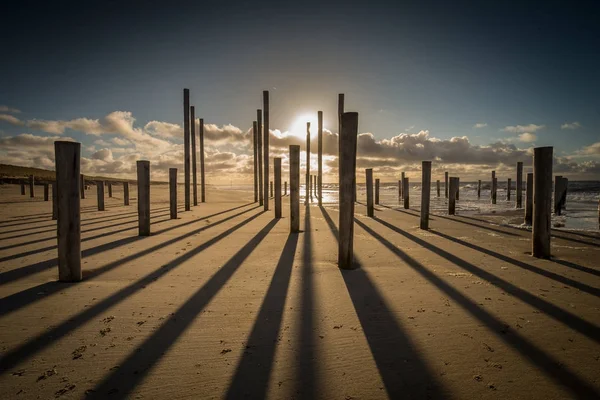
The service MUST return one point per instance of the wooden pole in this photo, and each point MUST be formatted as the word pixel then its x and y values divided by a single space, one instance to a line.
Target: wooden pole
pixel 347 166
pixel 45 191
pixel 68 226
pixel 254 160
pixel 563 198
pixel 519 184
pixel 369 184
pixel 193 137
pixel 294 188
pixel 266 145
pixel 143 180
pixel 493 188
pixel 529 199
pixel 82 186
pixel 406 192
pixel 557 193
pixel 311 188
pixel 478 189
pixel 109 189
pixel 315 178
pixel 457 188
pixel 437 183
pixel 452 196
pixel 307 176
pixel 126 193
pixel 399 191
pixel 100 194
pixel 259 155
pixel 509 184
pixel 186 144
pixel 271 188
pixel 173 192
pixel 542 201
pixel 425 193
pixel 377 191
pixel 446 184
pixel 202 167
pixel 320 157
pixel 31 184
pixel 277 174
pixel 285 188
pixel 22 188
pixel 54 202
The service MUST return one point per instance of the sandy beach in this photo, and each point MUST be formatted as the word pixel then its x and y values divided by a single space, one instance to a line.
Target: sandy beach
pixel 224 303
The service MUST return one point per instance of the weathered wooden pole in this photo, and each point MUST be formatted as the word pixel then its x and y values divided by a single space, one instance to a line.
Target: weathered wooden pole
pixel 109 189
pixel 563 198
pixel 186 144
pixel 315 178
pixel 542 201
pixel 271 188
pixel 266 145
pixel 377 191
pixel 202 167
pixel 425 193
pixel 347 166
pixel 529 199
pixel 399 191
pixel 519 184
pixel 369 184
pixel 406 193
pixel 126 193
pixel 68 226
pixel 254 160
pixel 311 188
pixel 22 188
pixel 509 184
pixel 294 188
pixel 100 194
pixel 458 188
pixel 193 137
pixel 557 193
pixel 46 191
pixel 493 188
pixel 452 196
pixel 285 188
pixel 82 186
pixel 446 184
pixel 31 184
pixel 54 202
pixel 259 155
pixel 307 177
pixel 437 183
pixel 143 181
pixel 478 189
pixel 320 157
pixel 173 192
pixel 277 177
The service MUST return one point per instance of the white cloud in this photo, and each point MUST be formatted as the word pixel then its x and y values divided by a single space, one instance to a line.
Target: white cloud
pixel 572 125
pixel 6 109
pixel 591 150
pixel 527 137
pixel 523 128
pixel 11 119
pixel 480 125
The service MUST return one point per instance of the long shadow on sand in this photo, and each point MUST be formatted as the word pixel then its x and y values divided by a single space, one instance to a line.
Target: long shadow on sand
pixel 408 212
pixel 404 373
pixel 139 363
pixel 551 366
pixel 578 267
pixel 252 374
pixel 486 226
pixel 31 347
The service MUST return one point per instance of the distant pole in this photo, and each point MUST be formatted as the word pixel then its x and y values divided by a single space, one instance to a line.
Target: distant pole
pixel 557 193
pixel 478 189
pixel 285 188
pixel 254 160
pixel 202 167
pixel 320 157
pixel 452 196
pixel 519 184
pixel 186 144
pixel 259 155
pixel 173 192
pixel 54 202
pixel 22 188
pixel 542 201
pixel 425 193
pixel 347 169
pixel 266 145
pixel 458 188
pixel 529 199
pixel 45 191
pixel 446 184
pixel 315 178
pixel 100 194
pixel 271 188
pixel 31 184
pixel 68 226
pixel 311 187
pixel 109 189
pixel 126 193
pixel 143 178
pixel 399 191
pixel 508 185
pixel 493 188
pixel 277 174
pixel 405 191
pixel 377 191
pixel 437 183
pixel 294 188
pixel 307 183
pixel 369 183
pixel 193 137
pixel 563 198
pixel 82 186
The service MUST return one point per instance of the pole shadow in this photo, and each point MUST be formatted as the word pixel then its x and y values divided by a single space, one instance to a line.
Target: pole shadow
pixel 486 227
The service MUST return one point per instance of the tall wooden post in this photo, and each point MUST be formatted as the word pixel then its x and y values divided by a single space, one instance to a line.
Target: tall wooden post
pixel 68 227
pixel 557 193
pixel 493 188
pixel 320 157
pixel 271 188
pixel 82 186
pixel 425 193
pixel 446 184
pixel 126 193
pixel 186 144
pixel 478 189
pixel 143 180
pixel 259 155
pixel 31 184
pixel 347 166
pixel 193 137
pixel 202 168
pixel 452 196
pixel 22 188
pixel 399 191
pixel 458 188
pixel 294 188
pixel 377 191
pixel 563 197
pixel 285 188
pixel 437 183
pixel 519 184
pixel 542 201
pixel 509 184
pixel 254 160
pixel 54 202
pixel 110 189
pixel 307 177
pixel 277 174
pixel 529 199
pixel 369 183
pixel 173 192
pixel 100 194
pixel 266 145
pixel 406 192
pixel 46 191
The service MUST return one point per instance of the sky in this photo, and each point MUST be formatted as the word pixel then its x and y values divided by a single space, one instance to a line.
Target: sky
pixel 472 86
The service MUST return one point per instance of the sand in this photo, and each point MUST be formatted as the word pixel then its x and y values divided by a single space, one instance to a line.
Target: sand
pixel 225 303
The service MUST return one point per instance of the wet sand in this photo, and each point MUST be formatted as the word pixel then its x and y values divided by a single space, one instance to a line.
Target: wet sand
pixel 225 303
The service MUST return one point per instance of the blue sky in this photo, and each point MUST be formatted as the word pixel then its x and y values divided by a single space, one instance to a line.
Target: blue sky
pixel 406 67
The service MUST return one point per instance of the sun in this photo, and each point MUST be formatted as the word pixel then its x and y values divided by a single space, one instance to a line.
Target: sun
pixel 298 127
